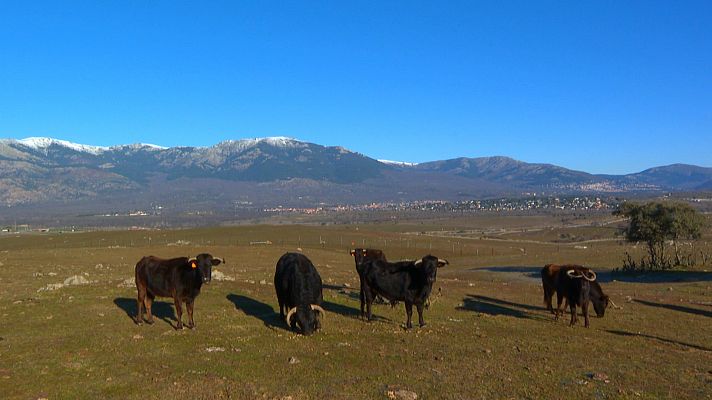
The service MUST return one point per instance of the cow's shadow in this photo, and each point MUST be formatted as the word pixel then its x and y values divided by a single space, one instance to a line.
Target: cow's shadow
pixel 661 339
pixel 529 271
pixel 674 307
pixel 160 309
pixel 257 309
pixel 492 306
pixel 351 293
pixel 340 309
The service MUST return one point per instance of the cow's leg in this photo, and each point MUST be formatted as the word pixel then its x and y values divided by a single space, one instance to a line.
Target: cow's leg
pixel 572 306
pixel 559 300
pixel 409 314
pixel 421 321
pixel 584 308
pixel 361 296
pixel 179 312
pixel 148 302
pixel 369 301
pixel 363 301
pixel 548 297
pixel 139 305
pixel 189 307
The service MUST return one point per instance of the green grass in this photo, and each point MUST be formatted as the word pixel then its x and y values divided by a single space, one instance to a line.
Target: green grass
pixel 487 335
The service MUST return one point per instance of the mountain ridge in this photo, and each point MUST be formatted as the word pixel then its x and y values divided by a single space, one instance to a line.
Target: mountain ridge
pixel 41 169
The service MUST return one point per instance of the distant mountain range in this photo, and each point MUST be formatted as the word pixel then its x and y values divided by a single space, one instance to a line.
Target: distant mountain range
pixel 285 171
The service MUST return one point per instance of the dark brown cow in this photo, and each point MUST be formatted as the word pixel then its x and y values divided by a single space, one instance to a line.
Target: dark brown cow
pixel 179 278
pixel 361 257
pixel 575 285
pixel 550 280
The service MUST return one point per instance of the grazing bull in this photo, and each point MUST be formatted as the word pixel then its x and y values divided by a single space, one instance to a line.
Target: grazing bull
pixel 550 281
pixel 361 256
pixel 179 278
pixel 298 287
pixel 407 281
pixel 575 285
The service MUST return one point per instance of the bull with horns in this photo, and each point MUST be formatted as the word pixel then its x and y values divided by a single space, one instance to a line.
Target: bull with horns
pixel 575 287
pixel 299 292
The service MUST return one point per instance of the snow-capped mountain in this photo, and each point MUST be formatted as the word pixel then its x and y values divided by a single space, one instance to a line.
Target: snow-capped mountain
pixel 282 170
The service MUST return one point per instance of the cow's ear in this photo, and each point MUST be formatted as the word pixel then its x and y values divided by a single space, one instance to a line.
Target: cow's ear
pixel 217 261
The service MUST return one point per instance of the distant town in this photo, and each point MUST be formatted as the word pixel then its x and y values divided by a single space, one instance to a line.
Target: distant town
pixel 578 203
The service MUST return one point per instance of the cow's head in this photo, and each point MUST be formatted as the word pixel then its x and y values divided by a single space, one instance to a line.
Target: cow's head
pixel 359 254
pixel 204 263
pixel 429 265
pixel 306 318
pixel 600 303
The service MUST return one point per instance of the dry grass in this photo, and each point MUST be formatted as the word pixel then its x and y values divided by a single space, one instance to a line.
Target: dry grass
pixel 487 335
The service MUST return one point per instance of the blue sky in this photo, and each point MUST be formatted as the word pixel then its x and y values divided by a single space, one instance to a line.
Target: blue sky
pixel 600 86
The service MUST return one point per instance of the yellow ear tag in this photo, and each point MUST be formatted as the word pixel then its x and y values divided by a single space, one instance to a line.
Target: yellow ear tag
pixel 194 265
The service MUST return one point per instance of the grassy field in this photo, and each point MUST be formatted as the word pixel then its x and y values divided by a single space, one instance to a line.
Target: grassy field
pixel 488 335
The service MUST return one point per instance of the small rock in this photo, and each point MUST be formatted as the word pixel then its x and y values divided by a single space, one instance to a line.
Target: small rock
pixel 347 285
pixel 219 276
pixel 263 282
pixel 76 280
pixel 127 283
pixel 670 289
pixel 293 360
pixel 214 349
pixel 488 351
pixel 137 337
pixel 598 376
pixel 401 394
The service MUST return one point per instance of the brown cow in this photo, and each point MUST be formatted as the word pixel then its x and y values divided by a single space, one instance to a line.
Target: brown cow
pixel 550 281
pixel 179 278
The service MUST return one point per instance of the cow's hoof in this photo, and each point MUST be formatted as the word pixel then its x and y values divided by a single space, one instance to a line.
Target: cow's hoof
pixel 423 325
pixel 150 322
pixel 138 322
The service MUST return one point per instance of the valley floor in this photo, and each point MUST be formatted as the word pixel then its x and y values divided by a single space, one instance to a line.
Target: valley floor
pixel 488 334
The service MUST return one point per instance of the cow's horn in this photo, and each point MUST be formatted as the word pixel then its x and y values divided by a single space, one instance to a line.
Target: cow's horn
pixel 192 259
pixel 418 262
pixel 590 279
pixel 442 261
pixel 614 304
pixel 572 273
pixel 289 314
pixel 222 260
pixel 315 307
